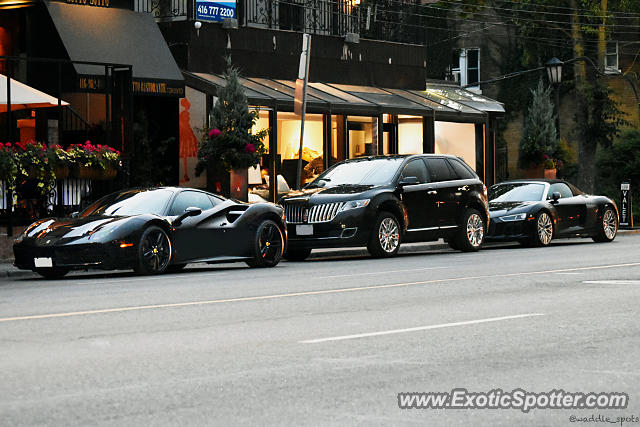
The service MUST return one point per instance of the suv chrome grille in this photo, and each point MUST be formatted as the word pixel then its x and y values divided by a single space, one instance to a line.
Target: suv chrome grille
pixel 325 212
pixel 299 214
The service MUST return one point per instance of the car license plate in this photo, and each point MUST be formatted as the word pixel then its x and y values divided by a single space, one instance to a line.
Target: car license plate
pixel 304 230
pixel 43 262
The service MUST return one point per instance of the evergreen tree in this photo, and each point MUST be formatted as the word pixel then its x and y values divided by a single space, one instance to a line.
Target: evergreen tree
pixel 539 136
pixel 229 143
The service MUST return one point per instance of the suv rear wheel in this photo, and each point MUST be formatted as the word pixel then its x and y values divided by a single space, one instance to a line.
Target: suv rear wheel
pixel 471 234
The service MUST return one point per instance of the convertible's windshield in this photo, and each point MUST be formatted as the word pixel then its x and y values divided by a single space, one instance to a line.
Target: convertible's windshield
pixel 516 192
pixel 131 202
pixel 359 172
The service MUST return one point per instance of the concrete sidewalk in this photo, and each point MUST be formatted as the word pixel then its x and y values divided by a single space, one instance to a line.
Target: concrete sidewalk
pixel 8 270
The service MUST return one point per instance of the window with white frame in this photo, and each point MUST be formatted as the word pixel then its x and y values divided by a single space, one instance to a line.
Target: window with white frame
pixel 466 67
pixel 611 57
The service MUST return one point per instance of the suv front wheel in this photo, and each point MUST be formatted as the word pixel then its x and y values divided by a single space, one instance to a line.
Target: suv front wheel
pixel 385 236
pixel 471 233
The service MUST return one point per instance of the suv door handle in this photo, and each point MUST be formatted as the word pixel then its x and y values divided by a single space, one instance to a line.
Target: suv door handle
pixel 463 188
pixel 432 192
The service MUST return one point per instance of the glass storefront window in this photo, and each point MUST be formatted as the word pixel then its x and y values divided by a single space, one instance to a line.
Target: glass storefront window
pixel 361 138
pixel 458 139
pixel 288 146
pixel 410 135
pixel 261 124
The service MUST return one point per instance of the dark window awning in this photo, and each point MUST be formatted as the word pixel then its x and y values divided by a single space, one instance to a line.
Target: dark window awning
pixel 120 36
pixel 359 100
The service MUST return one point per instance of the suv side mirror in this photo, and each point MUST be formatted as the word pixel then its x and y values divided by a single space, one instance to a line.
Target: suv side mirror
pixel 190 211
pixel 555 196
pixel 408 180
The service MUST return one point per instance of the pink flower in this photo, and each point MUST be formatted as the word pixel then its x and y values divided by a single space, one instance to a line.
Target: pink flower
pixel 250 148
pixel 8 144
pixel 214 133
pixel 117 152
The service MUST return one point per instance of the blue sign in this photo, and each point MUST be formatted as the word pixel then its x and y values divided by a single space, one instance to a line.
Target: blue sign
pixel 216 11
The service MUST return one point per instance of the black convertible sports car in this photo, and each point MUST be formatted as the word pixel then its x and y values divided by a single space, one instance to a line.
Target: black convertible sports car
pixel 152 231
pixel 535 211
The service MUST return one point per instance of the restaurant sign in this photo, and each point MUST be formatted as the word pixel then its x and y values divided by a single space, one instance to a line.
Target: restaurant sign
pixel 139 86
pixel 215 11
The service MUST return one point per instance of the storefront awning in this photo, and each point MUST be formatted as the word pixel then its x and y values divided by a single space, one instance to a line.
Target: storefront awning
pixel 24 97
pixel 443 102
pixel 96 34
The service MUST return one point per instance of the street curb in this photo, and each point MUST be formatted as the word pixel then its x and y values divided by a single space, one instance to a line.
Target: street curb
pixel 317 254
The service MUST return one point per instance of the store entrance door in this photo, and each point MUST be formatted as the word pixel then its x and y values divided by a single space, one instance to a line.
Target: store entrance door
pixel 389 139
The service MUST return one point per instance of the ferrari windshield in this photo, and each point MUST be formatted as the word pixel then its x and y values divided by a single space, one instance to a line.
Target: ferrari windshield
pixel 516 192
pixel 131 202
pixel 376 171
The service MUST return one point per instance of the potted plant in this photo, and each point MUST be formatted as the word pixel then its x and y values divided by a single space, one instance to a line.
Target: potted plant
pixel 229 148
pixel 93 161
pixel 550 167
pixel 59 161
pixel 8 164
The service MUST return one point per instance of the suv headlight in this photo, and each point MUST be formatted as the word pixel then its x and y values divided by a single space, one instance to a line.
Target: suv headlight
pixel 515 217
pixel 355 204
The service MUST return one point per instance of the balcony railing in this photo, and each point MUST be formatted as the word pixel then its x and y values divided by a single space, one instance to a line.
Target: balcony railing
pixel 329 17
pixel 164 10
pixel 398 21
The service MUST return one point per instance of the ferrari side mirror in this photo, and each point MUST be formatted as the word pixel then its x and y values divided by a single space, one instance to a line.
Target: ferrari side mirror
pixel 190 211
pixel 75 214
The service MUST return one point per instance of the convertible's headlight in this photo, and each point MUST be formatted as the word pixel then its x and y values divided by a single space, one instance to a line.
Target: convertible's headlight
pixel 516 217
pixel 355 204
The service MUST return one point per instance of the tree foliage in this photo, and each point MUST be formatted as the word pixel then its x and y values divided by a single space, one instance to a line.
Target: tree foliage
pixel 539 136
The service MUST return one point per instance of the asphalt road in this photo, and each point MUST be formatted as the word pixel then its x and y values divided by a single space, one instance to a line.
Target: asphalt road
pixel 331 341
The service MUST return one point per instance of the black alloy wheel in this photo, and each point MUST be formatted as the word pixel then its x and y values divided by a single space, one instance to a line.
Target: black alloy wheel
pixel 471 234
pixel 608 226
pixel 269 245
pixel 154 251
pixel 299 254
pixel 52 273
pixel 385 236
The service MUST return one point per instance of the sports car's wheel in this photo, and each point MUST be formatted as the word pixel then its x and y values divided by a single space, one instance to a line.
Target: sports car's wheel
pixel 385 236
pixel 268 245
pixel 52 273
pixel 608 227
pixel 544 230
pixel 297 254
pixel 154 251
pixel 471 234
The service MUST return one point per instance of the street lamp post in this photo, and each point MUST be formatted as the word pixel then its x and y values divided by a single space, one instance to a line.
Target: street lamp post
pixel 554 73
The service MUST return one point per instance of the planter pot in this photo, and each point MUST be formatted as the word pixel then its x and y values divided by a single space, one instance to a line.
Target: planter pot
pixel 550 173
pixel 238 179
pixel 61 172
pixel 96 174
pixel 229 184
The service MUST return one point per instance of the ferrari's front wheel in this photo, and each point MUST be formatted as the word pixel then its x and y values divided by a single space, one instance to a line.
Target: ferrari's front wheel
pixel 268 245
pixel 608 227
pixel 52 273
pixel 154 251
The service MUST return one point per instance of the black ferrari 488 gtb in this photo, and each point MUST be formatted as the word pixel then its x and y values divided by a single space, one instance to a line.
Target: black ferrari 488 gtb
pixel 152 231
pixel 535 211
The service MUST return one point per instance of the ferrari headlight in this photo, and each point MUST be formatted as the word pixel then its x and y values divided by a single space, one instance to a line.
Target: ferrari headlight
pixel 355 204
pixel 515 217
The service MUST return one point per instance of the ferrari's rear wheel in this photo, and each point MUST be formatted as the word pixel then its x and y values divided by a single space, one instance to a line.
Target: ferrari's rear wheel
pixel 52 273
pixel 154 251
pixel 608 227
pixel 268 245
pixel 544 230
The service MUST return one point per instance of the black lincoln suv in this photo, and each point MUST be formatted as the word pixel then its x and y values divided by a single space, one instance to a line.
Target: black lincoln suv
pixel 381 201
